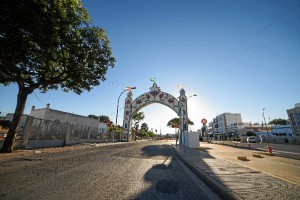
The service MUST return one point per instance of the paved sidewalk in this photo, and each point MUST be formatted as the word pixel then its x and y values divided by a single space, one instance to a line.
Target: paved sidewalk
pixel 233 181
pixel 281 167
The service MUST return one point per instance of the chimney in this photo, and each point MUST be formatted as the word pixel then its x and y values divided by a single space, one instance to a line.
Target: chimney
pixel 33 107
pixel 48 106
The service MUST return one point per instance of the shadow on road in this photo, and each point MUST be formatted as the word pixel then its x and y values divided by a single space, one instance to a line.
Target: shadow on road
pixel 167 180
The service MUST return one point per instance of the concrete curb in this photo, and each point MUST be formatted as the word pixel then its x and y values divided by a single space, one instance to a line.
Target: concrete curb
pixel 223 191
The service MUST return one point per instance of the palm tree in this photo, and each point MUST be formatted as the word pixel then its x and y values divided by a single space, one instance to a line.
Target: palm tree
pixel 175 122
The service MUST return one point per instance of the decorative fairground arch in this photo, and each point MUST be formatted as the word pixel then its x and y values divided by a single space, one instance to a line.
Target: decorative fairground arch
pixel 155 95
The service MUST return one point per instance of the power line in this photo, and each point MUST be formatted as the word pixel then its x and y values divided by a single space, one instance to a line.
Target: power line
pixel 38 98
pixel 265 42
pixel 215 65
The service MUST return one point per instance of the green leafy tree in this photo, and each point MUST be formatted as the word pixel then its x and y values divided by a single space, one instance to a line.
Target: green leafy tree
pixel 93 116
pixel 101 118
pixel 175 122
pixel 142 133
pixel 49 45
pixel 117 130
pixel 279 121
pixel 136 119
pixel 145 127
pixel 105 119
pixel 151 134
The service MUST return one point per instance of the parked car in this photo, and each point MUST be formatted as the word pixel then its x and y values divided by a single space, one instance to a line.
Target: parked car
pixel 251 139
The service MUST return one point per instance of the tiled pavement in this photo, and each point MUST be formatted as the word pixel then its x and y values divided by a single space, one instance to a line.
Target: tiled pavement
pixel 233 181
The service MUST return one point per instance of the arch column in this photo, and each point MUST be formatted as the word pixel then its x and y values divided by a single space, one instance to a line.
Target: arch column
pixel 127 116
pixel 183 115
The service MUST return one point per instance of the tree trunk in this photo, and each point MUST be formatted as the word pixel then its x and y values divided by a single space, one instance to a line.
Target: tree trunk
pixel 11 135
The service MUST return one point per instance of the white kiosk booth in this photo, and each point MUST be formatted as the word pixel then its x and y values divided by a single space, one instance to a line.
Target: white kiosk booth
pixel 191 139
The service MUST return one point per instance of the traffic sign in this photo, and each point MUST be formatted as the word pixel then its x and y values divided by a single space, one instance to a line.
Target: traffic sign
pixel 203 121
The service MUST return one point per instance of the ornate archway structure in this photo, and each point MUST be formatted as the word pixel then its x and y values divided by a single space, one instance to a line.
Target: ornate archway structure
pixel 155 95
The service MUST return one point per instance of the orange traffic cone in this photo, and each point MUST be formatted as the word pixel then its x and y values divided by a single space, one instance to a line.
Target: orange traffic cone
pixel 270 150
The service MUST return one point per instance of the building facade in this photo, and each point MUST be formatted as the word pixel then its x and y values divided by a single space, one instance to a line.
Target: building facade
pixel 226 125
pixel 63 117
pixel 283 130
pixel 294 117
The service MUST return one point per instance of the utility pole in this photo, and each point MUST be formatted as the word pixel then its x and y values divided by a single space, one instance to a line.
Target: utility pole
pixel 265 121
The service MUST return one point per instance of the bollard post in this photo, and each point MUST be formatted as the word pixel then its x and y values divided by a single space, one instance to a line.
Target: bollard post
pixel 249 146
pixel 270 150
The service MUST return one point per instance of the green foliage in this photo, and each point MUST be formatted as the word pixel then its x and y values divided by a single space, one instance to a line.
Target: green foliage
pixel 279 121
pixel 176 122
pixel 92 116
pixel 142 133
pixel 136 119
pixel 190 122
pixel 49 45
pixel 115 129
pixel 139 116
pixel 101 118
pixel 144 127
pixel 151 134
pixel 105 119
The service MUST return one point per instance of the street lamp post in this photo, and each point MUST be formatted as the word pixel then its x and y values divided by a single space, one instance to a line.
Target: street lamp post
pixel 127 89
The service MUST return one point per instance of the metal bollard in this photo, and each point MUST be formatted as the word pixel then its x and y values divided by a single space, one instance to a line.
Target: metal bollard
pixel 249 146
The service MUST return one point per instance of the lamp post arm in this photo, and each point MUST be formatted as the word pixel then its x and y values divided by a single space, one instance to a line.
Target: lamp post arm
pixel 118 106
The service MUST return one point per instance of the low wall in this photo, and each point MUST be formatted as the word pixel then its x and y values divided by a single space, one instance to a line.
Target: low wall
pixel 39 133
pixel 78 141
pixel 31 144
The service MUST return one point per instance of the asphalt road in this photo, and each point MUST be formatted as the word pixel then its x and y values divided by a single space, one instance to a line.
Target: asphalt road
pixel 142 170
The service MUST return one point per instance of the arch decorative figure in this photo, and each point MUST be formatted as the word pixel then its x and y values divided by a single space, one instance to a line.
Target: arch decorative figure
pixel 155 95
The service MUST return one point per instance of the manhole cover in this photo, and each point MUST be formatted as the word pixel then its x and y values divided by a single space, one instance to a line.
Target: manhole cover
pixel 167 186
pixel 160 167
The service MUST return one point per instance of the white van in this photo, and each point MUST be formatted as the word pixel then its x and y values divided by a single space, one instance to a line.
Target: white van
pixel 251 139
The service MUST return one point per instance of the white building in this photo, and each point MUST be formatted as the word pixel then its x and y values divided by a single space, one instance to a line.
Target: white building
pixel 63 117
pixel 294 117
pixel 226 125
pixel 282 130
pixel 102 128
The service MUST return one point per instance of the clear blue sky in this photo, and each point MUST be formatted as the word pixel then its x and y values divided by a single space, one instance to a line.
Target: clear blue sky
pixel 238 56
